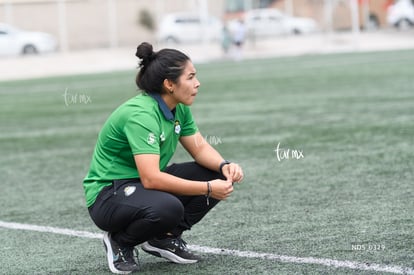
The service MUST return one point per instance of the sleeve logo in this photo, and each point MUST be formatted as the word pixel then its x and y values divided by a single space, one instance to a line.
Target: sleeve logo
pixel 151 138
pixel 162 137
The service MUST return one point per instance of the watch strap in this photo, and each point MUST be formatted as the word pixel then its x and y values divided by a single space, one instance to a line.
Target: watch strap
pixel 224 162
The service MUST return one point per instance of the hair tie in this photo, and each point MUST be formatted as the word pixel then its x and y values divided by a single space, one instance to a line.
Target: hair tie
pixel 152 57
pixel 148 59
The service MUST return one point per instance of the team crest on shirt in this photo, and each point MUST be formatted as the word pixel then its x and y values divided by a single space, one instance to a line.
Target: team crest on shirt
pixel 177 127
pixel 129 190
pixel 151 138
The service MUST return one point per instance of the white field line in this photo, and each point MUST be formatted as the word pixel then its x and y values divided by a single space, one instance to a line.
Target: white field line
pixel 231 252
pixel 49 229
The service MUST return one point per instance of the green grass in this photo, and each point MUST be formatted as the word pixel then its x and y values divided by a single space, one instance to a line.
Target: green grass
pixel 352 116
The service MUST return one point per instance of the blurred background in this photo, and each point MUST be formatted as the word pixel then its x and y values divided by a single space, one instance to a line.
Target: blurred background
pixel 351 114
pixel 205 29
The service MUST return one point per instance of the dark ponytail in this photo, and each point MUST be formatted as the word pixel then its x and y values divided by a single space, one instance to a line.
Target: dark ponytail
pixel 157 66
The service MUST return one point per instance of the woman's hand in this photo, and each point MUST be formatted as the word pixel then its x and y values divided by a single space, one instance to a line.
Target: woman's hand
pixel 221 189
pixel 233 172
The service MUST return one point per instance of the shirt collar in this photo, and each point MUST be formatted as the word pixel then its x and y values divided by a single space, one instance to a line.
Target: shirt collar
pixel 163 106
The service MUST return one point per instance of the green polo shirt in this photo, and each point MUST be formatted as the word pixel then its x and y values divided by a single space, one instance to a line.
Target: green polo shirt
pixel 142 125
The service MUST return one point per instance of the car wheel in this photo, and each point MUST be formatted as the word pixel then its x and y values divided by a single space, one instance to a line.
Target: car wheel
pixel 297 32
pixel 29 49
pixel 403 24
pixel 373 22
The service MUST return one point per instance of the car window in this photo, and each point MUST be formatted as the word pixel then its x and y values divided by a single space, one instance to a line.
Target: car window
pixel 274 18
pixel 187 21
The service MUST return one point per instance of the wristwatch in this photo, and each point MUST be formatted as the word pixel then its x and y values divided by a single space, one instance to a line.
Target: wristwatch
pixel 224 162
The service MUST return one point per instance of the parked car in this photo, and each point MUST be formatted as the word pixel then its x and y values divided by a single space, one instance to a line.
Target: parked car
pixel 188 27
pixel 14 41
pixel 270 22
pixel 401 14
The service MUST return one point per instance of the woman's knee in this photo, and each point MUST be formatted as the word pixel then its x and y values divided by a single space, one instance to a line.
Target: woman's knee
pixel 168 212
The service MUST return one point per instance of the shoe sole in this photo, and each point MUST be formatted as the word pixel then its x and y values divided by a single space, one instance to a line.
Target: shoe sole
pixel 162 253
pixel 110 256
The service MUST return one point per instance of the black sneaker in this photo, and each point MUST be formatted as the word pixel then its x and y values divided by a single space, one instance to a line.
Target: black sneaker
pixel 172 249
pixel 121 260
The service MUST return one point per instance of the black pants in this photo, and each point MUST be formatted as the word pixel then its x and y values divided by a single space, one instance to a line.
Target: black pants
pixel 134 214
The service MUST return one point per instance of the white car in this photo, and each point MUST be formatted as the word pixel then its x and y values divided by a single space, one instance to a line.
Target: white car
pixel 188 27
pixel 270 22
pixel 14 41
pixel 401 14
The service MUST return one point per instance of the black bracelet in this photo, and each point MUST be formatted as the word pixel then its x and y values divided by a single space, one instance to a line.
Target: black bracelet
pixel 208 192
pixel 224 162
